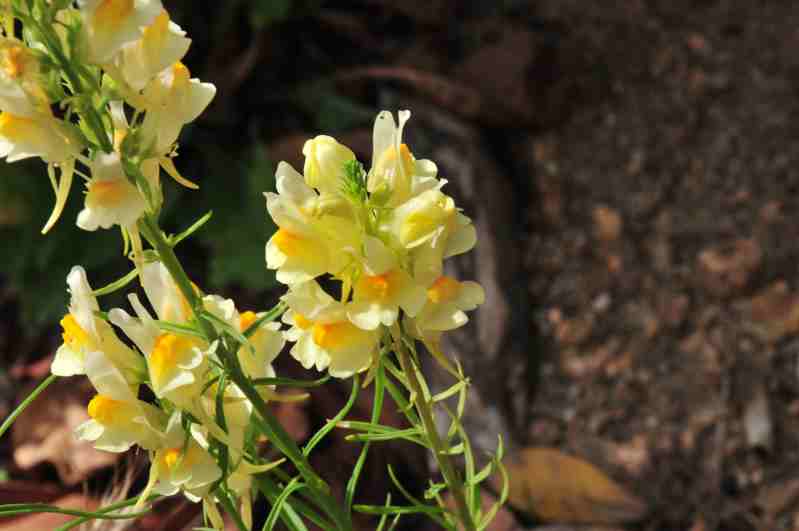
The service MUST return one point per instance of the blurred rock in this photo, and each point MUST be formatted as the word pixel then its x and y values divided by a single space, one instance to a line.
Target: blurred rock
pixel 757 422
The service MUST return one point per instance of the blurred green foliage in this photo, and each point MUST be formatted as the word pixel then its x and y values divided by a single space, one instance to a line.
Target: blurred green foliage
pixel 35 265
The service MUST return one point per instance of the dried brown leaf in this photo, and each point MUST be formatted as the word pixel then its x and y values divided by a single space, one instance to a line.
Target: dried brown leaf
pixel 561 488
pixel 44 432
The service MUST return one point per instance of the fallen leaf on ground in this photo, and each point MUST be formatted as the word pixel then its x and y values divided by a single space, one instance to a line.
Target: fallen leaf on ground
pixel 44 432
pixel 560 488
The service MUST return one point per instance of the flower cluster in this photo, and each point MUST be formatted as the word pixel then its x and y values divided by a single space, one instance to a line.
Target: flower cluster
pixel 96 66
pixel 181 430
pixel 377 241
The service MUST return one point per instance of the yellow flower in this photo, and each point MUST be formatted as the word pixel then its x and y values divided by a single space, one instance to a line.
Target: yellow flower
pixel 162 44
pixel 110 24
pixel 42 136
pixel 382 289
pixel 84 333
pixel 111 199
pixel 324 163
pixel 309 241
pixel 182 464
pixel 396 174
pixel 21 91
pixel 175 362
pixel 430 228
pixel 118 420
pixel 172 100
pixel 264 346
pixel 323 335
pixel 447 301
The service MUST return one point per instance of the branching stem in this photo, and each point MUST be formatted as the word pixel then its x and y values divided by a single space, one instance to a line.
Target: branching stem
pixel 440 447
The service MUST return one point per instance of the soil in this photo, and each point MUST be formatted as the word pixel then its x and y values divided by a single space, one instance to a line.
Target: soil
pixel 661 257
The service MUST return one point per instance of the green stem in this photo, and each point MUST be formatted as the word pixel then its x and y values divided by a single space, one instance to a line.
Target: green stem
pixel 224 499
pixel 25 403
pixel 439 446
pixel 266 420
pixel 93 119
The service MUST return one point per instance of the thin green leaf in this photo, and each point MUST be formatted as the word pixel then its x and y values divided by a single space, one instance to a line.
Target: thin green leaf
pixel 396 372
pixel 452 390
pixel 332 423
pixel 277 506
pixel 267 317
pixel 460 408
pixel 222 423
pixel 289 516
pixel 397 509
pixel 405 407
pixel 29 508
pixel 369 437
pixel 290 382
pixel 116 285
pixel 179 329
pixel 456 449
pixel 414 500
pixel 109 508
pixel 25 403
pixel 471 487
pixel 377 409
pixel 224 498
pixel 384 517
pixel 197 225
pixel 503 496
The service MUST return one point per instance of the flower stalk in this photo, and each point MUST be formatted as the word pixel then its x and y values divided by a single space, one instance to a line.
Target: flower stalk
pixel 267 421
pixel 440 447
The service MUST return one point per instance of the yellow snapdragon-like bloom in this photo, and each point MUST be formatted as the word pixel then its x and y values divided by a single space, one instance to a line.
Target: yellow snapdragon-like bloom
pixel 447 301
pixel 182 464
pixel 382 289
pixel 309 242
pixel 175 362
pixel 42 136
pixel 264 346
pixel 85 333
pixel 430 228
pixel 21 91
pixel 111 199
pixel 237 410
pixel 162 44
pixel 324 163
pixel 118 420
pixel 324 337
pixel 111 24
pixel 172 100
pixel 396 175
